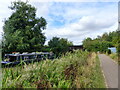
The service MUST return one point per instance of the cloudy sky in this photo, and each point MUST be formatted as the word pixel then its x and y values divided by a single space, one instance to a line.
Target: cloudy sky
pixel 72 20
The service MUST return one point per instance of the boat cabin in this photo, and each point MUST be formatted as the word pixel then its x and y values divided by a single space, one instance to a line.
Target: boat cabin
pixel 28 56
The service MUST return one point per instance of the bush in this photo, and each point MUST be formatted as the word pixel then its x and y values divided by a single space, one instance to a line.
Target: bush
pixel 108 51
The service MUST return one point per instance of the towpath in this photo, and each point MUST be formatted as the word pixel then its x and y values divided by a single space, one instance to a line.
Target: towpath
pixel 110 71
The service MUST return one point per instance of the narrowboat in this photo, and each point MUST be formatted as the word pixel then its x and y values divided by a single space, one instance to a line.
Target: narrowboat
pixel 16 58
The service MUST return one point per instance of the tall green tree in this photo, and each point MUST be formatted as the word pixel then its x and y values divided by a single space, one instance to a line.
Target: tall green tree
pixel 101 43
pixel 116 40
pixel 86 43
pixel 105 37
pixel 96 45
pixel 59 45
pixel 23 30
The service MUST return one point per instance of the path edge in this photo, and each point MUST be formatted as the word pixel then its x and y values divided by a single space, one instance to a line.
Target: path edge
pixel 103 73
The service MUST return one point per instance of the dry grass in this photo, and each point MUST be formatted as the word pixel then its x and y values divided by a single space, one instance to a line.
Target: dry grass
pixel 114 56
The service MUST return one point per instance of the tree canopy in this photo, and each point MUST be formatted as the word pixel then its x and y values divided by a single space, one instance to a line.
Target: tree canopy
pixel 23 30
pixel 59 45
pixel 101 43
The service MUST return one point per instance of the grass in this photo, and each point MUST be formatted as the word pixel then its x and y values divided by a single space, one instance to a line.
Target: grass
pixel 114 56
pixel 80 69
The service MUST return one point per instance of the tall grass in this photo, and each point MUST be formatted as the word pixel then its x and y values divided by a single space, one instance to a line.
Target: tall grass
pixel 74 70
pixel 114 56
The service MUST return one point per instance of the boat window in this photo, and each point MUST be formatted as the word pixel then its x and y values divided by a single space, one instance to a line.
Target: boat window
pixel 12 58
pixel 39 56
pixel 31 57
pixel 26 57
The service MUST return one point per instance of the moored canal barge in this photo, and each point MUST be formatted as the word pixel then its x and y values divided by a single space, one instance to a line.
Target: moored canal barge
pixel 14 59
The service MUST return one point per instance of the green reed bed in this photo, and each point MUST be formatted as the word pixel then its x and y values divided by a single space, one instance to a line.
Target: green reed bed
pixel 80 69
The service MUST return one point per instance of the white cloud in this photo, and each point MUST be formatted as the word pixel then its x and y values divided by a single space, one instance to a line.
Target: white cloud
pixel 74 0
pixel 79 21
pixel 90 24
pixel 42 8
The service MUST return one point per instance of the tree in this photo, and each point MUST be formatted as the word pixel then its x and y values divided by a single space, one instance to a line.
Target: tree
pixel 86 43
pixel 96 45
pixel 59 45
pixel 46 48
pixel 116 41
pixel 105 37
pixel 23 30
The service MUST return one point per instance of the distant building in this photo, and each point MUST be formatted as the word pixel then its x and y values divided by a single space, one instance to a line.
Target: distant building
pixel 75 47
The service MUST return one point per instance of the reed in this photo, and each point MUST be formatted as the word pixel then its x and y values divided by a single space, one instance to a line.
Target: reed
pixel 80 69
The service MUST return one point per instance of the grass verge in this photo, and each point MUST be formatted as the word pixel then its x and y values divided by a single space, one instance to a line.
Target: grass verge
pixel 80 69
pixel 114 56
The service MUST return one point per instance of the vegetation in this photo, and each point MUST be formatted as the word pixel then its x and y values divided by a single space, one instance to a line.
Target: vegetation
pixel 80 69
pixel 75 70
pixel 101 43
pixel 23 30
pixel 96 45
pixel 114 56
pixel 59 45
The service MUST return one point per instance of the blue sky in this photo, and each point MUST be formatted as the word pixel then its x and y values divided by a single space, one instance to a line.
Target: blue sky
pixel 73 20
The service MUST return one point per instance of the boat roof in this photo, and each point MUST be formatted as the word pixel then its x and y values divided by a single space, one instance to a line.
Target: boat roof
pixel 27 54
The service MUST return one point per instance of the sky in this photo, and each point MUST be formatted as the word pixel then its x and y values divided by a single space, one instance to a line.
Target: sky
pixel 74 20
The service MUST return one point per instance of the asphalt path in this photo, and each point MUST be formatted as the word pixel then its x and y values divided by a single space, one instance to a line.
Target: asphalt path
pixel 110 71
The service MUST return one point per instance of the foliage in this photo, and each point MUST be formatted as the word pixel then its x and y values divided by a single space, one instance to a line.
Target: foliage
pixel 46 48
pixel 59 45
pixel 75 70
pixel 116 41
pixel 96 45
pixel 23 30
pixel 101 43
pixel 115 57
pixel 109 51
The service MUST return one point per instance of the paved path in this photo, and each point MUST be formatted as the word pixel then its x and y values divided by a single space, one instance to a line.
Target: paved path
pixel 110 71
